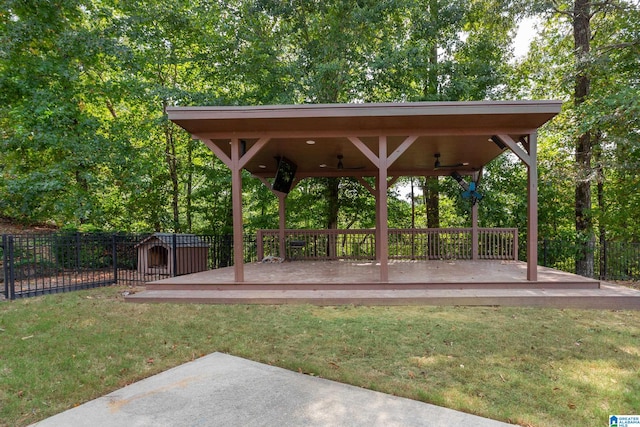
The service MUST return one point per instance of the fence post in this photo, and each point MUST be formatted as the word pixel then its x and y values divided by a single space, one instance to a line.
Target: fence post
pixel 5 265
pixel 603 261
pixel 8 261
pixel 114 257
pixel 174 256
pixel 77 251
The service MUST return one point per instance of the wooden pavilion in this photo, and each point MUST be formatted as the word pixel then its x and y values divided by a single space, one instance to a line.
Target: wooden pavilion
pixel 284 144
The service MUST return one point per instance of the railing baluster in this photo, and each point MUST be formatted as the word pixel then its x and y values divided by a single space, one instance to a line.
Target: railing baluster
pixel 453 243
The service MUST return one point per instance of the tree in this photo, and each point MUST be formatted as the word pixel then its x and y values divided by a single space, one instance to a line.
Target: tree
pixel 581 20
pixel 586 55
pixel 54 149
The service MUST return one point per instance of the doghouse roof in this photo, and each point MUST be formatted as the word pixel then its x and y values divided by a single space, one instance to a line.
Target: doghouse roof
pixel 182 240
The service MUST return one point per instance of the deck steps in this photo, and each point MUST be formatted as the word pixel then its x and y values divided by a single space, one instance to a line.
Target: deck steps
pixel 607 297
pixel 410 283
pixel 299 286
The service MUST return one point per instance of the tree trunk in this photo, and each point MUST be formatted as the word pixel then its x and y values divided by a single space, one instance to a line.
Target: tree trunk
pixel 432 87
pixel 584 221
pixel 431 190
pixel 431 186
pixel 189 184
pixel 602 231
pixel 172 165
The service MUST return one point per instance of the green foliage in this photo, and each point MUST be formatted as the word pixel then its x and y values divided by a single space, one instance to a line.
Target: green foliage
pixel 609 113
pixel 84 86
pixel 76 250
pixel 98 149
pixel 504 190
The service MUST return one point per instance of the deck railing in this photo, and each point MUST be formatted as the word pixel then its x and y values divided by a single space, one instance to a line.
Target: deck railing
pixel 440 243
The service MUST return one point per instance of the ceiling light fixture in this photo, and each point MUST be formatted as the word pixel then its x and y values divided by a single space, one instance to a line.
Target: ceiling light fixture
pixel 310 141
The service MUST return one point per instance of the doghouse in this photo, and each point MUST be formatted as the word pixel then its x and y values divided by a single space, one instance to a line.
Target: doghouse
pixel 156 254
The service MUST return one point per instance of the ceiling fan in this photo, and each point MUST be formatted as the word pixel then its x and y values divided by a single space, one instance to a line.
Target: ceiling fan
pixel 437 165
pixel 470 188
pixel 340 165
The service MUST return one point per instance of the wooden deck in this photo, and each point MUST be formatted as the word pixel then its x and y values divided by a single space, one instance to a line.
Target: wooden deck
pixel 411 283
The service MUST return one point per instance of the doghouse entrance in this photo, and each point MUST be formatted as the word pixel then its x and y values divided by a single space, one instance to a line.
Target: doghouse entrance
pixel 158 257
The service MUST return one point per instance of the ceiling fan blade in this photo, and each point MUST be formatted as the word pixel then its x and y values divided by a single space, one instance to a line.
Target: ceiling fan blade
pixel 340 165
pixel 437 165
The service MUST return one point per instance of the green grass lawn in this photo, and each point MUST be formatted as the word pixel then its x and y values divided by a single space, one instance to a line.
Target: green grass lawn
pixel 534 367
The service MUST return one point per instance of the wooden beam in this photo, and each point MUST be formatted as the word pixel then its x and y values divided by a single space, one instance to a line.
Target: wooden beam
pixel 401 149
pixel 366 185
pixel 300 175
pixel 264 181
pixel 525 142
pixel 217 151
pixel 253 151
pixel 365 150
pixel 269 185
pixel 226 159
pixel 513 146
pixel 314 133
pixel 477 176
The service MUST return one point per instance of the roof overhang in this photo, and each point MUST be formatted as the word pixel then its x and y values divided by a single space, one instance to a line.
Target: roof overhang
pixel 459 131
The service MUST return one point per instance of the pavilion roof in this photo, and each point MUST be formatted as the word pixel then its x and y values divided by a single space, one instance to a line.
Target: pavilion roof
pixel 459 131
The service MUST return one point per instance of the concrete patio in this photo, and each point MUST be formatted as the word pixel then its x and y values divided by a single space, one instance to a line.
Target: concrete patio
pixel 223 390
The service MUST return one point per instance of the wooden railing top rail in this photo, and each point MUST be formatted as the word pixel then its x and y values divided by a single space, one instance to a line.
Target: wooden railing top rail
pixel 391 230
pixel 432 243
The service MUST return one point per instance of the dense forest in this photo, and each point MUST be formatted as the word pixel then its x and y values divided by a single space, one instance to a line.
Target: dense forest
pixel 84 85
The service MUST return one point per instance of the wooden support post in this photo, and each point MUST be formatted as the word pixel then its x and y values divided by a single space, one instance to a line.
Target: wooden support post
pixel 378 235
pixel 529 158
pixel 474 232
pixel 282 225
pixel 532 209
pixel 236 201
pixel 260 244
pixel 382 213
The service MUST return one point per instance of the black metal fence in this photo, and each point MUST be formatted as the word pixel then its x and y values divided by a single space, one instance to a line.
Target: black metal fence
pixel 611 260
pixel 36 264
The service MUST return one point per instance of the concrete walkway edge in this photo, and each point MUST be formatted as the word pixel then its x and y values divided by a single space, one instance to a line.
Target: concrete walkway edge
pixel 224 390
